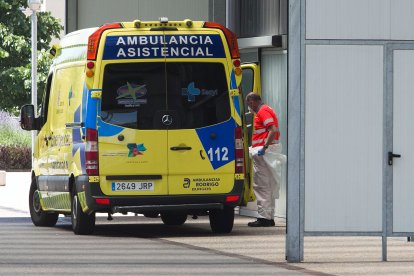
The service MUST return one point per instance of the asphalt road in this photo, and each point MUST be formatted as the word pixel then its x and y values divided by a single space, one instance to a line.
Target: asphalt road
pixel 140 246
pixel 125 246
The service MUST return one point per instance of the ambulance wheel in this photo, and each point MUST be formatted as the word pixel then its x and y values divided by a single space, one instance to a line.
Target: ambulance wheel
pixel 82 224
pixel 221 221
pixel 173 218
pixel 38 216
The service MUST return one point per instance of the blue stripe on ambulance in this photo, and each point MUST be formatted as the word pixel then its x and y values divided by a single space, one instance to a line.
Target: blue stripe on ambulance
pixel 233 83
pixel 83 104
pixel 106 130
pixel 92 110
pixel 223 143
pixel 236 104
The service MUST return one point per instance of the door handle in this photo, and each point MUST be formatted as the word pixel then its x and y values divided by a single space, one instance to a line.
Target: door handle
pixel 392 155
pixel 180 148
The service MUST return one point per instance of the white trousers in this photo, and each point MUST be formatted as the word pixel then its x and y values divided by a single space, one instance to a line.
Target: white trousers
pixel 267 178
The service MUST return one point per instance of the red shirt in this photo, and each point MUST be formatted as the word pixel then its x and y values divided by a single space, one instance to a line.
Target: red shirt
pixel 264 118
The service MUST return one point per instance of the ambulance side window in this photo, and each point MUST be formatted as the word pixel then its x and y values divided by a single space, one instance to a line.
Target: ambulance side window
pixel 45 101
pixel 247 81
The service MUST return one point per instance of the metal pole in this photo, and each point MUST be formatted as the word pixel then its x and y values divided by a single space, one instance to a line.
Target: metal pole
pixel 34 72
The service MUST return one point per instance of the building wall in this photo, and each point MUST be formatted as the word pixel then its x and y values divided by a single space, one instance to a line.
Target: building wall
pixel 84 14
pixel 343 130
pixel 57 9
pixel 350 72
pixel 251 18
pixel 360 19
pixel 257 24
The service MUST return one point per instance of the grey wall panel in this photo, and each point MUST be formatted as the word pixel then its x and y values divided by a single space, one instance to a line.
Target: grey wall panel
pixel 71 21
pixel 274 92
pixel 249 55
pixel 283 16
pixel 402 20
pixel 343 145
pixel 252 18
pixel 259 18
pixel 94 13
pixel 217 11
pixel 360 19
pixel 174 10
pixel 274 87
pixel 106 11
pixel 403 132
pixel 350 19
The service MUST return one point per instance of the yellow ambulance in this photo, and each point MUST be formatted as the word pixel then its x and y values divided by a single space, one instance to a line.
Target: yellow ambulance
pixel 141 117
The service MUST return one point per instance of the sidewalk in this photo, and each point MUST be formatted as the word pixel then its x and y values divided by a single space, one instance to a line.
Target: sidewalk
pixel 331 255
pixel 14 196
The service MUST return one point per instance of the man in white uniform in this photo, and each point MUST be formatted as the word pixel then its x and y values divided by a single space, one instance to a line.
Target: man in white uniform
pixel 265 146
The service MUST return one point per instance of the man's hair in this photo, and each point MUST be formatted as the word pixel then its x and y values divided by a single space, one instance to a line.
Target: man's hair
pixel 253 96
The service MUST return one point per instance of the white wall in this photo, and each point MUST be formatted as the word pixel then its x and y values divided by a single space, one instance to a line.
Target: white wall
pixel 360 19
pixel 139 9
pixel 57 9
pixel 343 138
pixel 403 132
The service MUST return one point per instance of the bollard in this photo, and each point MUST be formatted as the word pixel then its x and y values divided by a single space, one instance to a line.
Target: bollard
pixel 2 178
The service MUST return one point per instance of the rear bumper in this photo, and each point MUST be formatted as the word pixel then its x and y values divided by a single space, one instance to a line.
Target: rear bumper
pixel 142 204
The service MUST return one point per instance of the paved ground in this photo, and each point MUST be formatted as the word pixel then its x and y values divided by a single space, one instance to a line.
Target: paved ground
pixel 135 245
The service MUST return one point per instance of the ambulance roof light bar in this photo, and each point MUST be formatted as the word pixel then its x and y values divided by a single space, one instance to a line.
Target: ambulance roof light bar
pixel 163 19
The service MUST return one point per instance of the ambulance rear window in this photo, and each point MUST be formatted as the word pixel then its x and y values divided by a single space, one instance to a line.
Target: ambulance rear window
pixel 138 95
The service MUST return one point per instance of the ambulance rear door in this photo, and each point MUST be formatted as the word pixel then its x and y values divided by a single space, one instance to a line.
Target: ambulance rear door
pixel 250 83
pixel 132 146
pixel 201 145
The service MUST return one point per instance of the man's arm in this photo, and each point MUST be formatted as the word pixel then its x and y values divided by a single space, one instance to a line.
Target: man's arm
pixel 273 130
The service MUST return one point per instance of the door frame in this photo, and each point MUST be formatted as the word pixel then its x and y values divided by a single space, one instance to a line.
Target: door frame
pixel 388 206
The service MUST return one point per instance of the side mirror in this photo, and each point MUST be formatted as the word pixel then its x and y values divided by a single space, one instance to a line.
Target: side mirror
pixel 27 117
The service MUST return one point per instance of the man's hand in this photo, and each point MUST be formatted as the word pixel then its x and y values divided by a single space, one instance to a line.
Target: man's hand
pixel 261 151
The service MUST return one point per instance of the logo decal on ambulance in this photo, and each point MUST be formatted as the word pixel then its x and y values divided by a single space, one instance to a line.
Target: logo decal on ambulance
pixel 130 93
pixel 191 91
pixel 186 183
pixel 136 149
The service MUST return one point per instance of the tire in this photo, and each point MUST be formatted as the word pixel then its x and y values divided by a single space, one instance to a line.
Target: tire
pixel 38 216
pixel 82 224
pixel 173 218
pixel 221 221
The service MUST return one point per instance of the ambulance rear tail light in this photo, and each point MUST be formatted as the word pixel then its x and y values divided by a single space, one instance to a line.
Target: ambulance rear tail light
pixel 102 201
pixel 232 198
pixel 230 37
pixel 93 43
pixel 239 150
pixel 91 152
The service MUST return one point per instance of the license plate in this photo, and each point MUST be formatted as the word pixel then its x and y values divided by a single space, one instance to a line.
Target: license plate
pixel 133 186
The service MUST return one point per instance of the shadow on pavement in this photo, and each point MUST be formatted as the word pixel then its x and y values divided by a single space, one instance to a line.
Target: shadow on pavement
pixel 154 228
